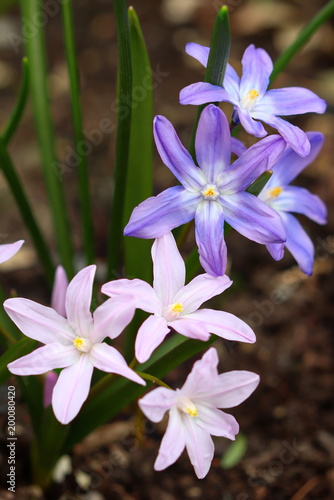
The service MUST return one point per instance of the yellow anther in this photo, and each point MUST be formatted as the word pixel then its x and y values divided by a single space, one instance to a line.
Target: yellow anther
pixel 82 344
pixel 78 342
pixel 210 192
pixel 193 412
pixel 253 94
pixel 177 307
pixel 275 192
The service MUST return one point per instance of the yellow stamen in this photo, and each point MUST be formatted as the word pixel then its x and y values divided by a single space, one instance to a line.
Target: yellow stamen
pixel 82 344
pixel 275 192
pixel 177 307
pixel 193 412
pixel 78 342
pixel 253 94
pixel 209 192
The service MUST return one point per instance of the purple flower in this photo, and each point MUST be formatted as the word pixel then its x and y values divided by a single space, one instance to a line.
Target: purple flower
pixel 250 97
pixel 212 193
pixel 193 412
pixel 73 343
pixel 173 304
pixel 9 249
pixel 283 198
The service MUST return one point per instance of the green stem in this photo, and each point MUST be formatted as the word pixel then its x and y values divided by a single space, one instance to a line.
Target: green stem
pixel 123 136
pixel 21 101
pixel 69 39
pixel 153 379
pixel 325 13
pixel 35 47
pixel 26 212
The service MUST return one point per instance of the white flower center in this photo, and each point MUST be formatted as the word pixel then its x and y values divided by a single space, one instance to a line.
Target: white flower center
pixel 249 100
pixel 82 344
pixel 270 195
pixel 210 192
pixel 185 405
pixel 173 311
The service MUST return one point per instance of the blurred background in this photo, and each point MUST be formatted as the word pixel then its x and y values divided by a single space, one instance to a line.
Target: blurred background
pixel 288 422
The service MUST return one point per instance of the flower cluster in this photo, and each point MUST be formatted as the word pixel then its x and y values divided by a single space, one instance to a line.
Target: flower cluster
pixel 213 190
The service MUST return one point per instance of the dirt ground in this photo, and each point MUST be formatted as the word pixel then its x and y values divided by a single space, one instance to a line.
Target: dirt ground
pixel 288 422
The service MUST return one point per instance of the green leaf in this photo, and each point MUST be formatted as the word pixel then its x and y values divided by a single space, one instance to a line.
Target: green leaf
pixel 259 183
pixel 235 452
pixel 21 348
pixel 6 5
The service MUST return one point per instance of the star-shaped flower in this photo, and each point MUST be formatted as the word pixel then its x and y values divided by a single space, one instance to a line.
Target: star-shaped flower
pixel 73 343
pixel 173 304
pixel 251 99
pixel 193 412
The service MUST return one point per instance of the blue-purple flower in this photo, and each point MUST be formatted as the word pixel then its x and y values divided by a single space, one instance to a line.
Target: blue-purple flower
pixel 284 198
pixel 251 99
pixel 213 193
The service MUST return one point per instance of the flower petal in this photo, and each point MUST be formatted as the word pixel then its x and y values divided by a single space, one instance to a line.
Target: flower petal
pixel 59 291
pixel 160 214
pixel 190 328
pixel 223 324
pixel 111 317
pixel 173 442
pixel 108 359
pixel 298 243
pixel 209 233
pixel 256 70
pixel 251 126
pixel 199 446
pixel 300 200
pixel 9 249
pixel 44 359
pixel 200 289
pixel 39 322
pixel 175 155
pixel 71 389
pixel 253 218
pixel 169 270
pixel 276 250
pixel 237 147
pixel 141 292
pixel 78 301
pixel 232 388
pixel 216 422
pixel 199 52
pixel 202 376
pixel 202 93
pixel 213 142
pixel 155 404
pixel 291 101
pixel 151 333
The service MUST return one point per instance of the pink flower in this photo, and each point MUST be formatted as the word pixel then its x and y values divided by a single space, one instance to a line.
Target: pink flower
pixel 193 412
pixel 73 343
pixel 173 304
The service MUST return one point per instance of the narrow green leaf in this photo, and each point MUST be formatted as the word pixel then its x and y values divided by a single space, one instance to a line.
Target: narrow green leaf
pixel 21 348
pixel 6 5
pixel 235 452
pixel 259 183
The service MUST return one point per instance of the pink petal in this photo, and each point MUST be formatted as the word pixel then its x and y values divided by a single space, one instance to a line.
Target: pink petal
pixel 39 322
pixel 108 359
pixel 168 268
pixel 71 389
pixel 190 328
pixel 155 404
pixel 78 301
pixel 216 422
pixel 145 297
pixel 44 359
pixel 173 442
pixel 199 446
pixel 202 376
pixel 232 388
pixel 201 289
pixel 151 333
pixel 9 249
pixel 49 383
pixel 223 324
pixel 59 291
pixel 112 317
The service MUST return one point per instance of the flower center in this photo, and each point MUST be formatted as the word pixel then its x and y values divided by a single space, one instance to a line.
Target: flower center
pixel 187 406
pixel 249 100
pixel 82 344
pixel 173 311
pixel 275 192
pixel 210 192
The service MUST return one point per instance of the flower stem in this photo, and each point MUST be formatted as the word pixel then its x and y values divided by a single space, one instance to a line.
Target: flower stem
pixel 153 379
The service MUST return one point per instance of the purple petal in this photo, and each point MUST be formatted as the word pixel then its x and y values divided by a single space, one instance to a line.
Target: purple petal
pixel 59 291
pixel 251 164
pixel 251 126
pixel 44 359
pixel 232 83
pixel 291 101
pixel 190 328
pixel 256 69
pixel 169 270
pixel 209 233
pixel 112 317
pixel 276 250
pixel 202 376
pixel 213 142
pixel 71 389
pixel 253 218
pixel 155 404
pixel 9 249
pixel 224 325
pixel 160 214
pixel 201 289
pixel 151 333
pixel 175 155
pixel 301 201
pixel 78 301
pixel 141 292
pixel 237 147
pixel 232 388
pixel 199 446
pixel 199 52
pixel 108 359
pixel 291 164
pixel 173 442
pixel 298 243
pixel 216 422
pixel 49 383
pixel 202 93
pixel 39 322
